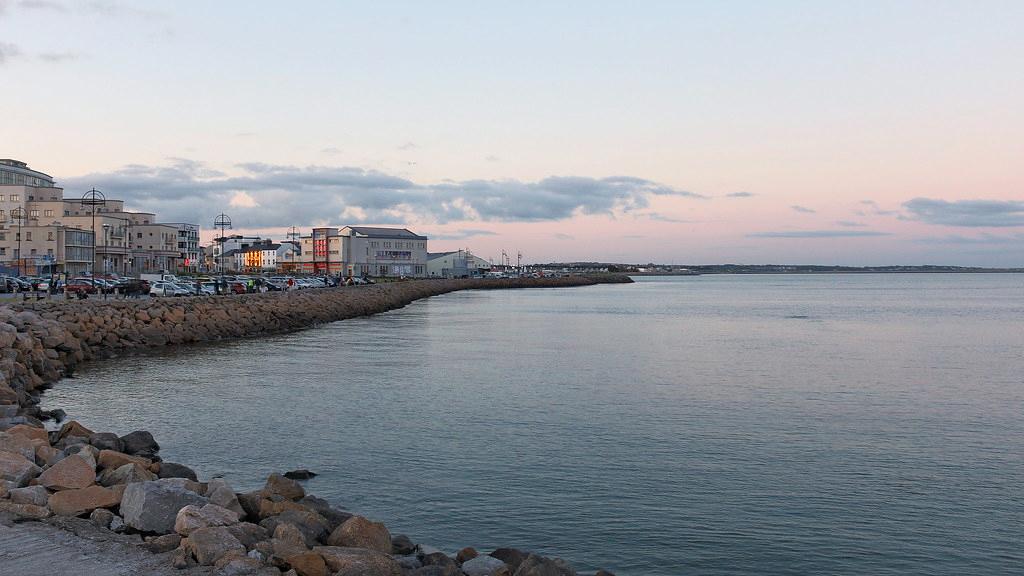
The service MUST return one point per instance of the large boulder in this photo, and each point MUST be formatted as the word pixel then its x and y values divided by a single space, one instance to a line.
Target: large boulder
pixel 84 500
pixel 126 474
pixel 334 516
pixel 510 556
pixel 29 511
pixel 288 541
pixel 192 517
pixel 17 469
pixel 140 443
pixel 18 444
pixel 30 432
pixel 284 487
pixel 220 493
pixel 209 544
pixel 172 470
pixel 402 545
pixel 535 565
pixel 114 459
pixel 308 564
pixel 249 534
pixel 106 441
pixel 153 506
pixel 72 473
pixel 73 428
pixel 358 562
pixel 447 566
pixel 312 525
pixel 36 495
pixel 359 532
pixel 484 566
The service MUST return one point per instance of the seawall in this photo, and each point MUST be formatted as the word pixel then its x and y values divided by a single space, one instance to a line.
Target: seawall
pixel 40 342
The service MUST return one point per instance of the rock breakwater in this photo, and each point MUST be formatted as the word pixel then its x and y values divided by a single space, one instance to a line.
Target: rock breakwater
pixel 122 485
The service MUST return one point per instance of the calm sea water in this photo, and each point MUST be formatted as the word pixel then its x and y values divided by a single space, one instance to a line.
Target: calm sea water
pixel 829 424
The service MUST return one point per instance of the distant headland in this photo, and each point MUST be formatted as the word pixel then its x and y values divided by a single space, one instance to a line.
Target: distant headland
pixel 695 270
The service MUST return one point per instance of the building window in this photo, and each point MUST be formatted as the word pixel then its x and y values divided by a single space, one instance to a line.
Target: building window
pixel 49 236
pixel 15 198
pixel 3 251
pixel 47 212
pixel 32 252
pixel 1 197
pixel 2 215
pixel 33 213
pixel 28 236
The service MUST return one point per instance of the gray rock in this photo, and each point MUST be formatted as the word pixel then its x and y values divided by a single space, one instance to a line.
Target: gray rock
pixel 126 474
pixel 35 495
pixel 510 556
pixel 172 470
pixel 535 565
pixel 402 545
pixel 483 566
pixel 17 469
pixel 408 562
pixel 106 441
pixel 140 443
pixel 162 544
pixel 447 564
pixel 18 444
pixel 102 518
pixel 209 544
pixel 220 493
pixel 153 506
pixel 334 516
pixel 117 524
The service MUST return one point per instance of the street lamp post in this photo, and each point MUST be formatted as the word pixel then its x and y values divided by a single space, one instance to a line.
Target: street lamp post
pixel 222 221
pixel 94 198
pixel 19 215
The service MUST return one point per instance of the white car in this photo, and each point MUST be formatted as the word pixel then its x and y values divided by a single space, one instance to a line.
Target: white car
pixel 167 289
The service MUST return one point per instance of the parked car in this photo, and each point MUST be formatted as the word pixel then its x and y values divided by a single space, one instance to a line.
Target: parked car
pixel 80 287
pixel 160 288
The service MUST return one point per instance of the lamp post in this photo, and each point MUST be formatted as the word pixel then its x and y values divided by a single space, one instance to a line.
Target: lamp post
pixel 222 221
pixel 93 198
pixel 19 215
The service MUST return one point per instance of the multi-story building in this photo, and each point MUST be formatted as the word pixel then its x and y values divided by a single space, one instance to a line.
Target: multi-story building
pixel 188 245
pixel 364 251
pixel 260 258
pixel 33 237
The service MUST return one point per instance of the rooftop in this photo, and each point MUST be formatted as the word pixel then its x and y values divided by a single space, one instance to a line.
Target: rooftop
pixel 377 232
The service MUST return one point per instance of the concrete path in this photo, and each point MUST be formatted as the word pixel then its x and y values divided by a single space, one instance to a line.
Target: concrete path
pixel 41 549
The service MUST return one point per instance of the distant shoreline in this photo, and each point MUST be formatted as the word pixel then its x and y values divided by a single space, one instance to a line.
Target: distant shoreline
pixel 773 271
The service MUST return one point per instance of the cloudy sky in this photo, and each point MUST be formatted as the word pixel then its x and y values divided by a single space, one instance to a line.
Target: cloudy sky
pixel 684 132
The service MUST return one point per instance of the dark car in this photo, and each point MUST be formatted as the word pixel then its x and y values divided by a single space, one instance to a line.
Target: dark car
pixel 79 287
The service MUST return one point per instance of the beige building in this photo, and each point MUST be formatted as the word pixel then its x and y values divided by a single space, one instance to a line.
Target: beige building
pixel 33 237
pixel 364 251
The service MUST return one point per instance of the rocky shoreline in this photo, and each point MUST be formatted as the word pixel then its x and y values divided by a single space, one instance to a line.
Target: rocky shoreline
pixel 122 485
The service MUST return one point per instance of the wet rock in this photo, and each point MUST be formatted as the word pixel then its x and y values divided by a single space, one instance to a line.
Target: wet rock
pixel 126 474
pixel 17 469
pixel 172 470
pixel 301 474
pixel 209 544
pixel 408 562
pixel 448 566
pixel 510 556
pixel 80 501
pixel 192 517
pixel 466 553
pixel 484 566
pixel 162 544
pixel 334 517
pixel 308 564
pixel 284 487
pixel 36 495
pixel 71 473
pixel 358 532
pixel 312 525
pixel 140 443
pixel 106 441
pixel 250 503
pixel 402 545
pixel 535 565
pixel 358 562
pixel 153 506
pixel 603 573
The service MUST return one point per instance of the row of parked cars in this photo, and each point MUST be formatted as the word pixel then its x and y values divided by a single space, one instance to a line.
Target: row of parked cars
pixel 173 286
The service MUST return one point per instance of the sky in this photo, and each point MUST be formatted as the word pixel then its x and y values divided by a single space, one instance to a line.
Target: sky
pixel 855 133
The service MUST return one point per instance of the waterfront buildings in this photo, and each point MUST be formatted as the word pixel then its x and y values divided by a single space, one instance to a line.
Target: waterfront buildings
pixel 364 251
pixel 456 264
pixel 66 235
